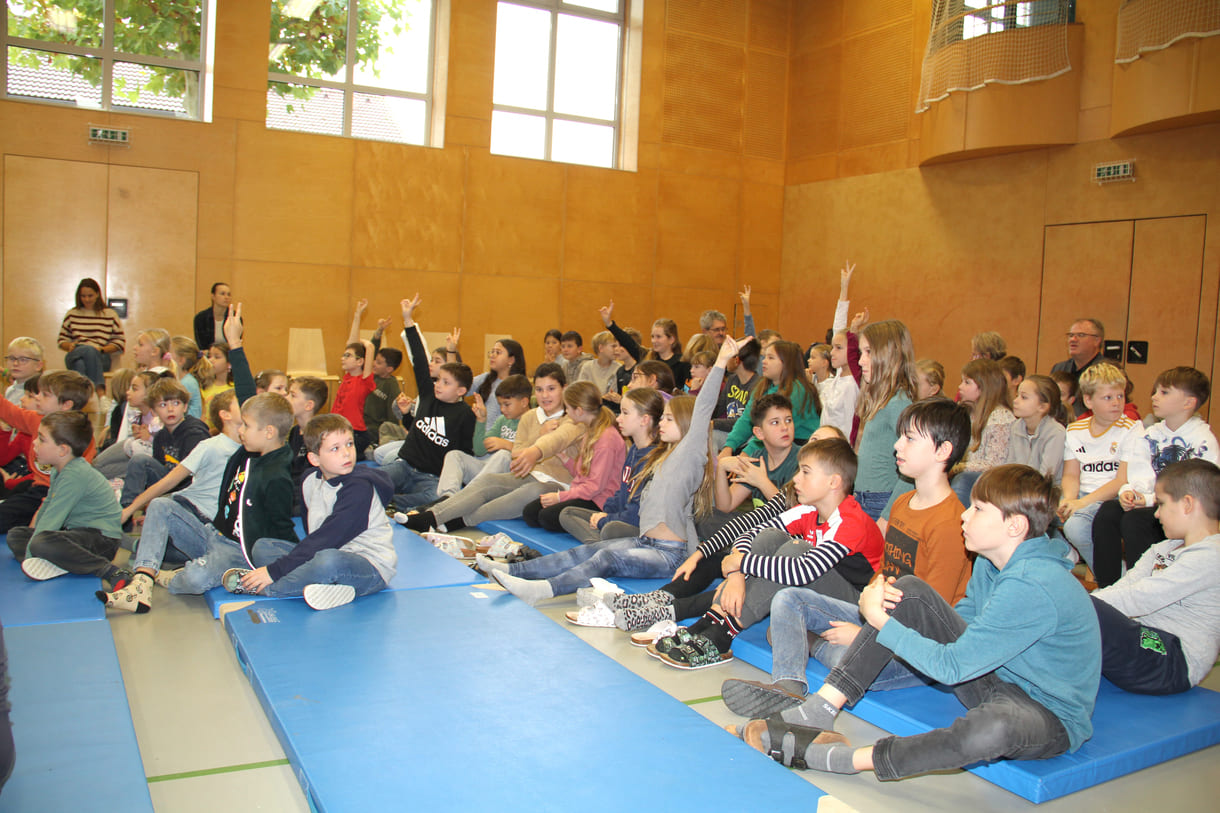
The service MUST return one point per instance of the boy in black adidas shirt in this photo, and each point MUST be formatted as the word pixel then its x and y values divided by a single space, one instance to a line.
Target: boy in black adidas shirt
pixel 442 422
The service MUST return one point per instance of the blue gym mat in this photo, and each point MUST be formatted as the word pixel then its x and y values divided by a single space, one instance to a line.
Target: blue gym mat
pixel 457 698
pixel 24 601
pixel 1130 731
pixel 419 565
pixel 76 749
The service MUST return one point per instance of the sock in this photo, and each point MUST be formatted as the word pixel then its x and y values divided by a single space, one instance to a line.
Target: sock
pixel 420 522
pixel 815 712
pixel 701 626
pixel 793 687
pixel 833 757
pixel 530 591
pixel 720 630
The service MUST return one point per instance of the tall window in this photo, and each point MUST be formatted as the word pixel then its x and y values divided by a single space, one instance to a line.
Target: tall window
pixel 131 56
pixel 558 80
pixel 358 68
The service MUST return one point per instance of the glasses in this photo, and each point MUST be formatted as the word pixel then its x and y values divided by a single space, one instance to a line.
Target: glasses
pixel 19 360
pixel 1083 335
pixel 349 355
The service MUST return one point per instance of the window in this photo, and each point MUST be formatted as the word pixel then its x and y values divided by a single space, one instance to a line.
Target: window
pixel 130 56
pixel 990 16
pixel 360 68
pixel 558 80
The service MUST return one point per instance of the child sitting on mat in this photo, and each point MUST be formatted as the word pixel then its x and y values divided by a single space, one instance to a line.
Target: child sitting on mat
pixel 1022 651
pixel 76 529
pixel 679 490
pixel 825 543
pixel 349 550
pixel 1160 623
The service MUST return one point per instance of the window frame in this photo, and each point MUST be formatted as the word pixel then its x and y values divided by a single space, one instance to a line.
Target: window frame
pixel 108 56
pixel 623 18
pixel 1009 20
pixel 433 131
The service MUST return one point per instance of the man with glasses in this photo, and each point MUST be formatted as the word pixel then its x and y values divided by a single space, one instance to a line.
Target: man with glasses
pixel 22 362
pixel 1085 338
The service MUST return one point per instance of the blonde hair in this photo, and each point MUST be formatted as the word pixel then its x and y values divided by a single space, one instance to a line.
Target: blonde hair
pixel 993 393
pixel 892 368
pixel 989 344
pixel 699 343
pixel 1101 375
pixel 600 339
pixel 932 370
pixel 585 396
pixel 193 361
pixel 120 380
pixel 160 339
pixel 27 344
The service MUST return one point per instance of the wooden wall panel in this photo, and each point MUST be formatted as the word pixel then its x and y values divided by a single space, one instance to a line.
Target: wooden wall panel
pixel 813 102
pixel 407 206
pixel 697 228
pixel 51 241
pixel 514 216
pixel 876 89
pixel 1077 258
pixel 704 90
pixel 723 19
pixel 152 215
pixel 766 105
pixel 293 197
pixel 1168 257
pixel 609 226
pixel 523 307
pixel 770 21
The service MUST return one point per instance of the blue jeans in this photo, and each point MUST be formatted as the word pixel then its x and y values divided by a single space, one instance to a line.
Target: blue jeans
pixel 797 609
pixel 1078 528
pixel 89 362
pixel 963 484
pixel 411 486
pixel 630 558
pixel 873 502
pixel 142 472
pixel 169 524
pixel 328 566
pixel 1001 722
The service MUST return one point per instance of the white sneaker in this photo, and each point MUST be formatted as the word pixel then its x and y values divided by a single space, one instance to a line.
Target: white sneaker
pixel 328 596
pixel 41 569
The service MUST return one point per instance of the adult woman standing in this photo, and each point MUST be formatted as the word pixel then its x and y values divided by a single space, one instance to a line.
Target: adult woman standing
pixel 90 333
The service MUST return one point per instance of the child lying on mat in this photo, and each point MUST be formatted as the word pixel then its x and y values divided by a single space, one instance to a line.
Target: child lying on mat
pixel 349 551
pixel 1022 652
pixel 1160 623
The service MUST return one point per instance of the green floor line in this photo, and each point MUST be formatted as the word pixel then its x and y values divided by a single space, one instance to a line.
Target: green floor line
pixel 249 766
pixel 699 700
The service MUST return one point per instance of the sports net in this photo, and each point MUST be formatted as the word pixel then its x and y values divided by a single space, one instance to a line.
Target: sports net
pixel 976 42
pixel 1150 25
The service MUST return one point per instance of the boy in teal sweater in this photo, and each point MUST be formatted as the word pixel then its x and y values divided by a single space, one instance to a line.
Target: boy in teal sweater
pixel 76 529
pixel 1022 651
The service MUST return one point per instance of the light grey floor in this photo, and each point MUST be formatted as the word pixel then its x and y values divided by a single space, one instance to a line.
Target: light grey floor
pixel 206 744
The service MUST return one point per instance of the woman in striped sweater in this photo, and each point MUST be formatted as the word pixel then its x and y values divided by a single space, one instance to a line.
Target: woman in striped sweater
pixel 90 333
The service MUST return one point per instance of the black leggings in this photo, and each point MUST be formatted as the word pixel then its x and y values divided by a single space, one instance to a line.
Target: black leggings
pixel 1121 536
pixel 538 517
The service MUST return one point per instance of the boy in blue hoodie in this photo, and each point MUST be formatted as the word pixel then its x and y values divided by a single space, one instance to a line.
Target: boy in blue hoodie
pixel 349 550
pixel 1021 650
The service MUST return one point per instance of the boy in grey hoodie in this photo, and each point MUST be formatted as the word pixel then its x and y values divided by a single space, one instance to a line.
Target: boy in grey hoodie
pixel 349 549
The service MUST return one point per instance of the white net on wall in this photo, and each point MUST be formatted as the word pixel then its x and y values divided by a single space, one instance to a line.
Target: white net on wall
pixel 1150 25
pixel 976 42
